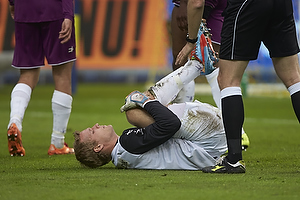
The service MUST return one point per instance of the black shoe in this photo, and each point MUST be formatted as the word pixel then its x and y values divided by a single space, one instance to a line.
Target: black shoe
pixel 225 167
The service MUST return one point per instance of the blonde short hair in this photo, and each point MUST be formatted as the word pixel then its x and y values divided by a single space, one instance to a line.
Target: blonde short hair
pixel 85 154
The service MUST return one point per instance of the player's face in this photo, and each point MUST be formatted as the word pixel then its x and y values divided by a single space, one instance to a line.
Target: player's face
pixel 98 133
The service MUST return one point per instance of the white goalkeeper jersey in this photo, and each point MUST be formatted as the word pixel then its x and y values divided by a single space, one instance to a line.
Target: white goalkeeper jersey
pixel 198 143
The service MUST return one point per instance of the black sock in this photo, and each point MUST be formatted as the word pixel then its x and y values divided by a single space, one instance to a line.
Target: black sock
pixel 296 104
pixel 233 119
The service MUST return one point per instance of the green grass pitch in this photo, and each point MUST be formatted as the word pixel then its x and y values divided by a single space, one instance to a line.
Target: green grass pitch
pixel 272 160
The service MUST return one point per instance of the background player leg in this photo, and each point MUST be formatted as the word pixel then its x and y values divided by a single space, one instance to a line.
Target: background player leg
pixel 20 97
pixel 61 108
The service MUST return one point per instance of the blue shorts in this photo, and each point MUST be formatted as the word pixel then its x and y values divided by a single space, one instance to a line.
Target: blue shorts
pixel 37 41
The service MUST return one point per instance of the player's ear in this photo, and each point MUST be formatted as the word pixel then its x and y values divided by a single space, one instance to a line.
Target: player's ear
pixel 98 148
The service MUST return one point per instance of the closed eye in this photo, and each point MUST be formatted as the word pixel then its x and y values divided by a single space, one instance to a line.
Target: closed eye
pixel 91 130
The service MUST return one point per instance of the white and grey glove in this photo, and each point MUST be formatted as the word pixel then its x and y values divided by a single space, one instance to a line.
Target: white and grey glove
pixel 133 100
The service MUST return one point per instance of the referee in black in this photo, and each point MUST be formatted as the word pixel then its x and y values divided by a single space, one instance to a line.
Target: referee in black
pixel 247 23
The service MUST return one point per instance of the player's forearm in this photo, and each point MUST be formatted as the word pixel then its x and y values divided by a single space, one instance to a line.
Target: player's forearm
pixel 194 16
pixel 68 9
pixel 166 122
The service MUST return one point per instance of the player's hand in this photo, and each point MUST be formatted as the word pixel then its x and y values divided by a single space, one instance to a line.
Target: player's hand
pixel 66 31
pixel 133 100
pixel 12 11
pixel 184 53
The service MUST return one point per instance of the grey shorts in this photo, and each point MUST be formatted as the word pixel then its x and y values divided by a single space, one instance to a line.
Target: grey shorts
pixel 247 23
pixel 37 41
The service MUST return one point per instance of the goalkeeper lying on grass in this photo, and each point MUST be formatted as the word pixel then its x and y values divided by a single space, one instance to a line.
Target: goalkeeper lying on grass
pixel 182 136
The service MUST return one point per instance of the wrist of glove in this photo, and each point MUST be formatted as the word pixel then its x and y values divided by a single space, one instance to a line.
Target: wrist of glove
pixel 133 100
pixel 138 98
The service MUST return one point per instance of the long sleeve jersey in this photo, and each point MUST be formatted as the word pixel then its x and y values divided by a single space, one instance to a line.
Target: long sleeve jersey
pixel 198 143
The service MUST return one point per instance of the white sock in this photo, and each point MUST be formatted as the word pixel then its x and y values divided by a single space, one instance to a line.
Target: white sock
pixel 167 88
pixel 186 94
pixel 214 85
pixel 61 108
pixel 230 91
pixel 294 88
pixel 20 97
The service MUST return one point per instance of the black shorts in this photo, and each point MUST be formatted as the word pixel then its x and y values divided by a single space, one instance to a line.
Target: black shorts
pixel 247 23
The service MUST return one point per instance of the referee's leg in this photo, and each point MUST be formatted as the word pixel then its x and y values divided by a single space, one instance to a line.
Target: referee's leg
pixel 229 79
pixel 287 69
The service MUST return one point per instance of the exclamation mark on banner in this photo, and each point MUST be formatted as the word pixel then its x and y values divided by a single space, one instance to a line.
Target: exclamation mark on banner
pixel 139 19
